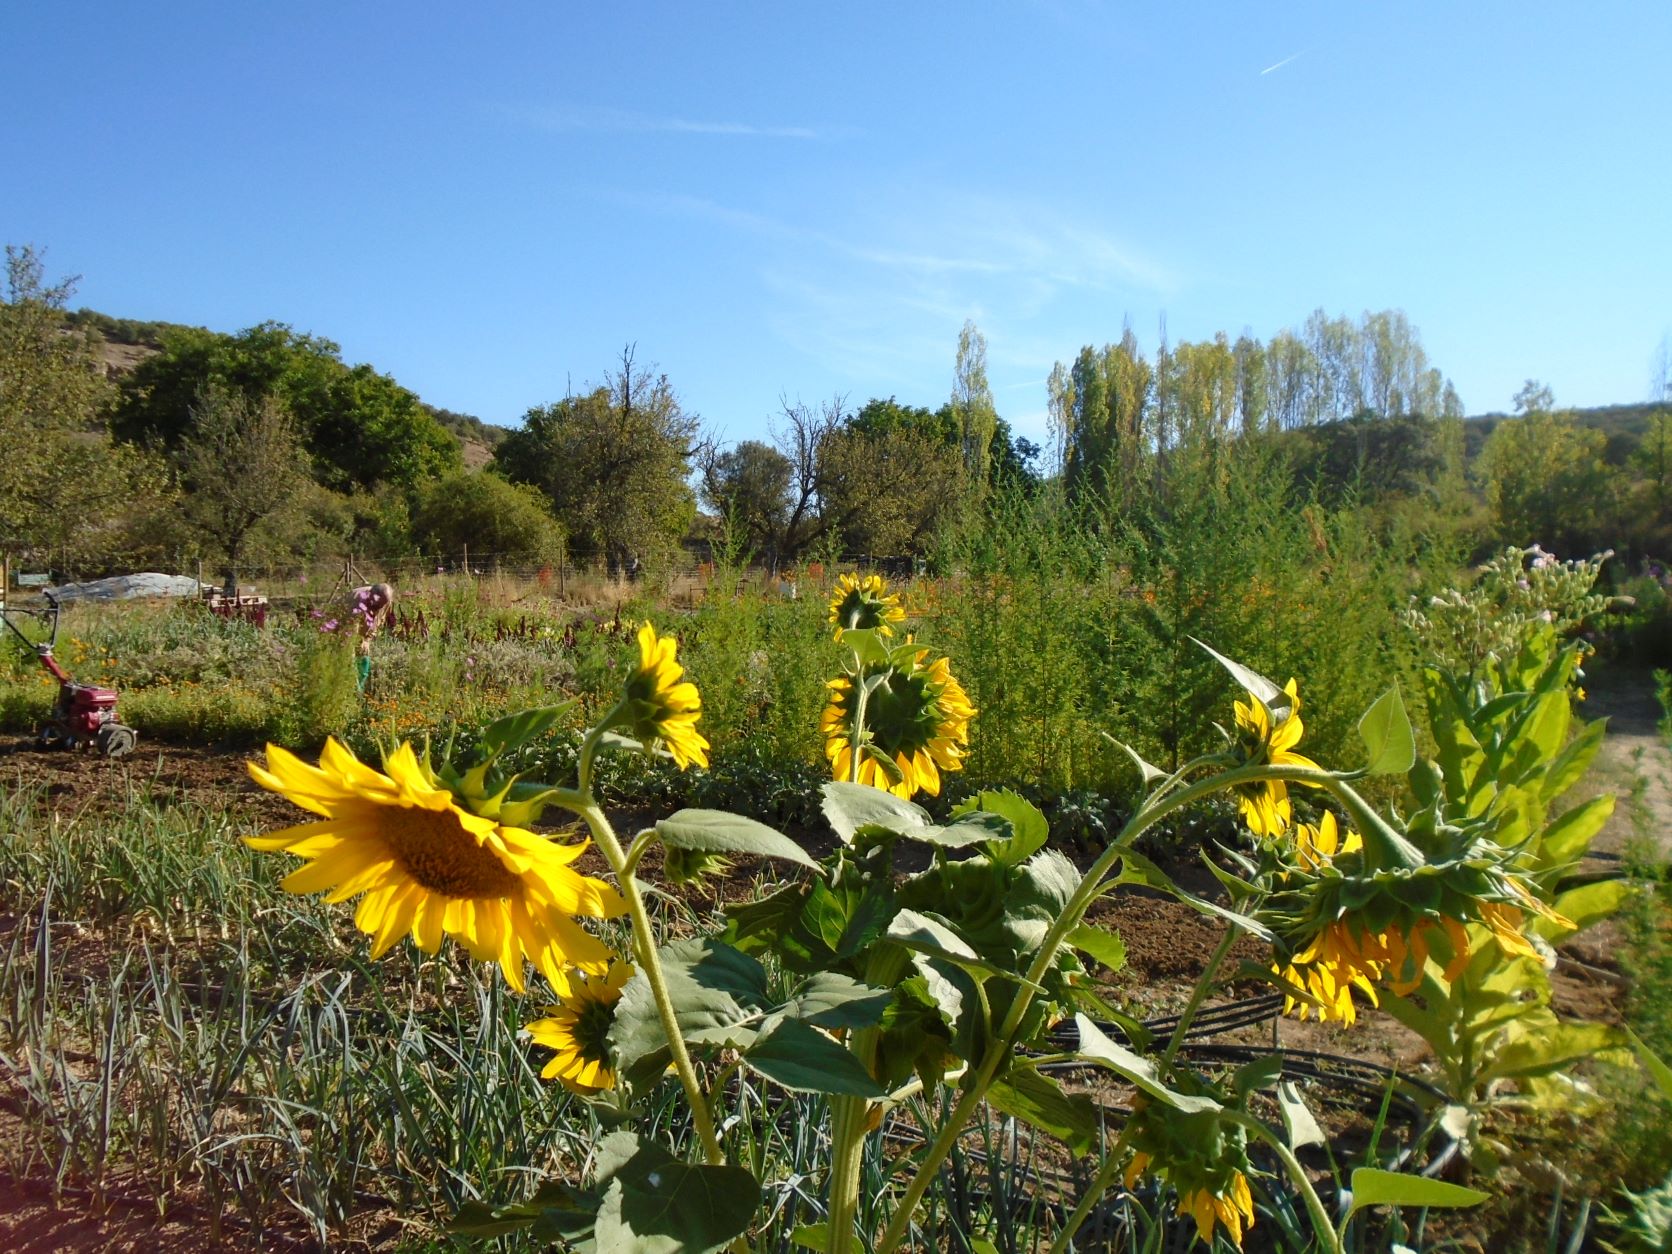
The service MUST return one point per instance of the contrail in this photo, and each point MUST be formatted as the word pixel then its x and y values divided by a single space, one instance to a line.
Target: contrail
pixel 1281 64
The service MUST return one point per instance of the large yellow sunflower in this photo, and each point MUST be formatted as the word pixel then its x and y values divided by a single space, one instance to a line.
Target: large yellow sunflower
pixel 918 718
pixel 660 707
pixel 427 867
pixel 578 1029
pixel 1265 806
pixel 864 602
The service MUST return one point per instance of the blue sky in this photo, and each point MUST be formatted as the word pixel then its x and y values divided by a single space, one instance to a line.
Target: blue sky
pixel 487 201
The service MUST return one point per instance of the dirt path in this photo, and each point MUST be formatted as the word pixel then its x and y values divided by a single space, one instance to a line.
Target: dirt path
pixel 1635 763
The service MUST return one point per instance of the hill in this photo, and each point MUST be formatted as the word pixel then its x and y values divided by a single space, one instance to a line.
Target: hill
pixel 125 342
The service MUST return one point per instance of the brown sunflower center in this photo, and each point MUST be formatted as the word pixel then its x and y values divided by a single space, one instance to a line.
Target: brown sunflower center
pixel 437 852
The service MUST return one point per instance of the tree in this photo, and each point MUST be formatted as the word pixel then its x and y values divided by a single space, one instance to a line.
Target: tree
pixel 749 487
pixel 1534 398
pixel 479 511
pixel 1545 477
pixel 360 427
pixel 239 465
pixel 613 462
pixel 972 405
pixel 53 395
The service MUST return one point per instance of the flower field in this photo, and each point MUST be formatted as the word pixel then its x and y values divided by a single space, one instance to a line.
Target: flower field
pixel 970 913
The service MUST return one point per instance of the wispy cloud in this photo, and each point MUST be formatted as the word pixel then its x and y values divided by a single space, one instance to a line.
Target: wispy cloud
pixel 1293 56
pixel 598 118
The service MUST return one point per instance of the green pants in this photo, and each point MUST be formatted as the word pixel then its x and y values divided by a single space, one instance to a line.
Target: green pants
pixel 362 672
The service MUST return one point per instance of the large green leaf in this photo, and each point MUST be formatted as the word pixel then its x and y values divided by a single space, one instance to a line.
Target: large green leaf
pixel 1096 1047
pixel 802 1058
pixel 1374 1187
pixel 934 939
pixel 1567 838
pixel 1040 1102
pixel 1028 828
pixel 516 730
pixel 1107 947
pixel 1583 906
pixel 829 999
pixel 1390 746
pixel 1571 763
pixel 556 1210
pixel 656 1204
pixel 716 831
pixel 853 808
pixel 1552 1047
pixel 1299 1125
pixel 715 991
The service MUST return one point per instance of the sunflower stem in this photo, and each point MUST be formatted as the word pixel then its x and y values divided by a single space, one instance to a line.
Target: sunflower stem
pixel 1324 1228
pixel 1199 994
pixel 1100 1184
pixel 847 1137
pixel 651 963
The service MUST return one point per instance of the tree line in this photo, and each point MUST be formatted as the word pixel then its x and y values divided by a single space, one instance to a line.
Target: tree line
pixel 264 445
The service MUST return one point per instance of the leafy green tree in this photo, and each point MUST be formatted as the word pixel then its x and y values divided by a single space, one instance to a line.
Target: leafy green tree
pixel 360 427
pixel 1546 481
pixel 749 487
pixel 239 464
pixel 51 388
pixel 885 490
pixel 480 511
pixel 613 462
pixel 972 405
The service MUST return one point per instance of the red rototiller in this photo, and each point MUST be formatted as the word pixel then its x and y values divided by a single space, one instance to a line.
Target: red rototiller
pixel 85 714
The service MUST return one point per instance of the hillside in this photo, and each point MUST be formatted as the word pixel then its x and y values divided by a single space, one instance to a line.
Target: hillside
pixel 125 342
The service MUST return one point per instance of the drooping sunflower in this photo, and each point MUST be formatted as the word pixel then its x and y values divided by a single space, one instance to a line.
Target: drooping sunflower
pixel 864 602
pixel 661 708
pixel 578 1030
pixel 918 717
pixel 1204 1158
pixel 428 867
pixel 1265 806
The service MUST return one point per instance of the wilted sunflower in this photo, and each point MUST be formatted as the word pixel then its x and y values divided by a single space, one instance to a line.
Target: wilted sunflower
pixel 1265 806
pixel 659 706
pixel 1203 1158
pixel 578 1029
pixel 918 717
pixel 428 867
pixel 864 602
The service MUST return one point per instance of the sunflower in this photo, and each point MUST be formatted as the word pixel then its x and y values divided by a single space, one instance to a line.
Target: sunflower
pixel 578 1029
pixel 658 707
pixel 864 602
pixel 1265 806
pixel 427 867
pixel 1229 1204
pixel 917 718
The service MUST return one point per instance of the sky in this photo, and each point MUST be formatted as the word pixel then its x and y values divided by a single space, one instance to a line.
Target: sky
pixel 793 202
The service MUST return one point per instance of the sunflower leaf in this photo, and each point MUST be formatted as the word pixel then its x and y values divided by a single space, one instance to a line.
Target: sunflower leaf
pixel 1373 1187
pixel 1254 683
pixel 829 999
pixel 1028 829
pixel 1142 1072
pixel 516 730
pixel 1389 743
pixel 1040 1102
pixel 805 1060
pixel 716 992
pixel 716 831
pixel 850 808
pixel 654 1203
